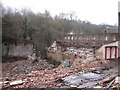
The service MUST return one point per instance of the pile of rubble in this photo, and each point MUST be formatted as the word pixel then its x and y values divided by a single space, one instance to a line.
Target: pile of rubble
pixel 37 73
pixel 24 67
pixel 79 53
pixel 54 77
pixel 110 82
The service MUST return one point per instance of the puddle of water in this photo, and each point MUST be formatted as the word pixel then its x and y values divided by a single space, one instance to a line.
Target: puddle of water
pixel 78 78
pixel 74 81
pixel 74 76
pixel 90 75
pixel 88 84
pixel 112 70
pixel 85 78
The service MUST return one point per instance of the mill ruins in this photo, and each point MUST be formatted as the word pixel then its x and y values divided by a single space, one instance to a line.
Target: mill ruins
pixel 102 46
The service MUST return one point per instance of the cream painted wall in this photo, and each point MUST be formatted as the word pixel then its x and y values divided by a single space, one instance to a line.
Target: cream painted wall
pixel 101 50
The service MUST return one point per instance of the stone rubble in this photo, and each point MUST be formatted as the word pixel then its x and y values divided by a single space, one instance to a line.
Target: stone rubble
pixel 17 82
pixel 40 74
pixel 53 77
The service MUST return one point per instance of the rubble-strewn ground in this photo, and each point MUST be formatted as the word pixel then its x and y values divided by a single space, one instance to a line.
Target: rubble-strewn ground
pixel 24 74
pixel 23 66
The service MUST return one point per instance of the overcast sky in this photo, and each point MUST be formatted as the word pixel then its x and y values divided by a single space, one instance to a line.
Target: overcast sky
pixel 95 11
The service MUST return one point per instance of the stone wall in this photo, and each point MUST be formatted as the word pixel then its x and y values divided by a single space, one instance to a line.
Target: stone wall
pixel 93 37
pixel 21 50
pixel 93 41
pixel 89 40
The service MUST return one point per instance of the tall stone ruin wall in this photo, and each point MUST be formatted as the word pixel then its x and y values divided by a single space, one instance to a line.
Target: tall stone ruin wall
pixel 89 40
pixel 21 50
pixel 93 37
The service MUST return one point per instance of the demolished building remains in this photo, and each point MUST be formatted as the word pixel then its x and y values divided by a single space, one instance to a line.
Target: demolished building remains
pixel 102 46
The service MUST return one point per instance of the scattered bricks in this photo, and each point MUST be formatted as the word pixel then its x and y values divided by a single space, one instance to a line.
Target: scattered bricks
pixel 50 77
pixel 108 79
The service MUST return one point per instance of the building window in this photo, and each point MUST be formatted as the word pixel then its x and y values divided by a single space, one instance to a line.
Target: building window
pixel 106 38
pixel 68 38
pixel 93 38
pixel 72 38
pixel 65 38
pixel 75 38
pixel 114 39
pixel 87 38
